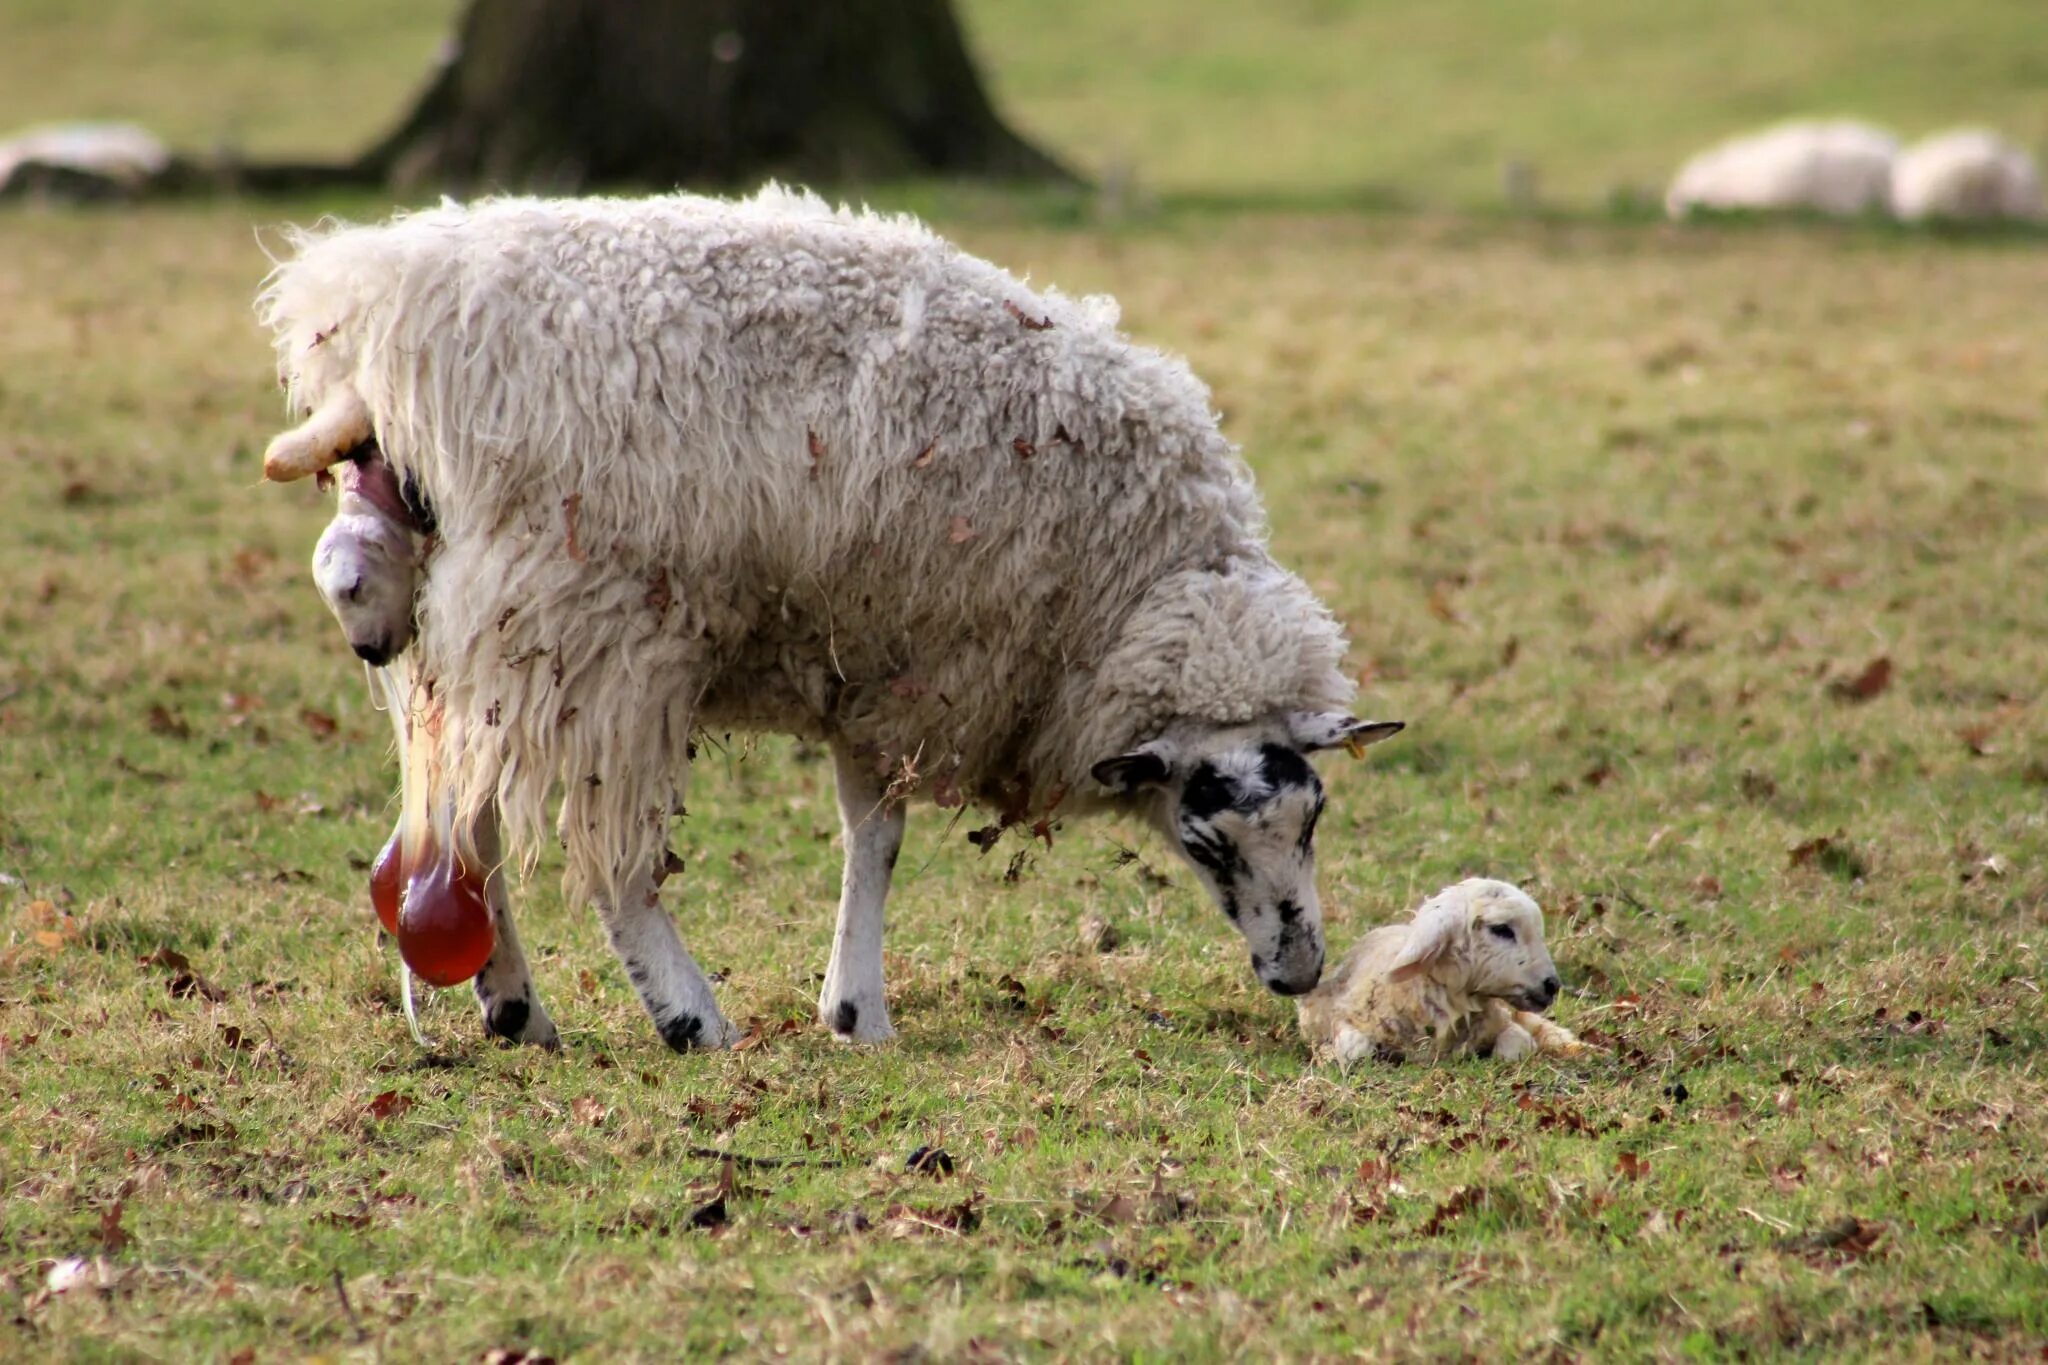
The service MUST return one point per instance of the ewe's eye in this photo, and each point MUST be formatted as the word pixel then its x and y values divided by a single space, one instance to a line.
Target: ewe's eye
pixel 1502 931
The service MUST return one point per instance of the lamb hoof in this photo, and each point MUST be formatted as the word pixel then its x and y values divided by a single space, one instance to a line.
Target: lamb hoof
pixel 850 1022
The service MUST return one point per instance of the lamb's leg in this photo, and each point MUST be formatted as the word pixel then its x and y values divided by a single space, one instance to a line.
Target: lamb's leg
pixel 671 985
pixel 852 1004
pixel 504 988
pixel 1500 1036
pixel 1553 1039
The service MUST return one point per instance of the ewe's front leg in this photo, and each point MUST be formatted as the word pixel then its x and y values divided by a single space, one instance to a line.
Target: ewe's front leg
pixel 852 1004
pixel 669 982
pixel 504 988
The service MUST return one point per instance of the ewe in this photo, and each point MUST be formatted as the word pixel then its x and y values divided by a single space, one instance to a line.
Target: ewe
pixel 1836 167
pixel 699 465
pixel 1966 175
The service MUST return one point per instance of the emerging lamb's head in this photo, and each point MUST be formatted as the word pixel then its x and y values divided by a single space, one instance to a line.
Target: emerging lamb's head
pixel 367 563
pixel 1486 938
pixel 1240 804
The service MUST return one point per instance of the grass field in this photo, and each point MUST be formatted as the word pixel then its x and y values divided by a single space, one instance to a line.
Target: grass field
pixel 1620 516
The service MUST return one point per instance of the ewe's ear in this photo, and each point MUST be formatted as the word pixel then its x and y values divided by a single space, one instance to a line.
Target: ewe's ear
pixel 1430 936
pixel 1148 765
pixel 1313 730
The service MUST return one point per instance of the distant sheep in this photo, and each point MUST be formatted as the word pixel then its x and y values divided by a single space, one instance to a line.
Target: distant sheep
pixel 118 155
pixel 1837 167
pixel 700 465
pixel 1967 175
pixel 1468 976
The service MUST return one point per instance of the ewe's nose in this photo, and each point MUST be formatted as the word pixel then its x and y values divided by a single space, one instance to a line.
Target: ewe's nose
pixel 375 653
pixel 1550 988
pixel 1297 981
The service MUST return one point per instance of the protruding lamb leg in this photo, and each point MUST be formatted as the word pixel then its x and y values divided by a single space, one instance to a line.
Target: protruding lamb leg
pixel 504 988
pixel 337 426
pixel 852 1004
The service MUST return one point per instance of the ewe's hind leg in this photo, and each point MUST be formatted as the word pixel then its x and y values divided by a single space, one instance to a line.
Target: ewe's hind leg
pixel 852 1004
pixel 670 983
pixel 504 988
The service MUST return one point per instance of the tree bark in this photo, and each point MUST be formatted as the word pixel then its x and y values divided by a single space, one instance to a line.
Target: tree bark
pixel 563 94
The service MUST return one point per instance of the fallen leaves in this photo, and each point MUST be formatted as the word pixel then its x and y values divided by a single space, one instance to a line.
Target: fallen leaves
pixel 51 926
pixel 162 722
pixel 1848 1239
pixel 928 1160
pixel 1832 854
pixel 391 1104
pixel 1865 686
pixel 186 981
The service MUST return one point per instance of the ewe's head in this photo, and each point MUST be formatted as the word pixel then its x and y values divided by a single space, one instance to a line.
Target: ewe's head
pixel 1486 938
pixel 1240 804
pixel 367 564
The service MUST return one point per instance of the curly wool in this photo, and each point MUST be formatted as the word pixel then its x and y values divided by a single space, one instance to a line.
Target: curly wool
pixel 766 465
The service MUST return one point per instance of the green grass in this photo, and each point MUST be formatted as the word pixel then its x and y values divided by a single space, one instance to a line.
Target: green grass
pixel 1609 509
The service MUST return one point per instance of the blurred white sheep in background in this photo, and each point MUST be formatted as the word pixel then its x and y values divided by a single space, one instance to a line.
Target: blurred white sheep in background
pixel 1968 175
pixel 1838 167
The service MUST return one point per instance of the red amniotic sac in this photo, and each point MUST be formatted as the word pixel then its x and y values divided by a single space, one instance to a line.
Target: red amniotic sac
pixel 442 918
pixel 387 885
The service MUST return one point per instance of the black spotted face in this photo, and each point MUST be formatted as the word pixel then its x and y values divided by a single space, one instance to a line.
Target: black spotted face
pixel 1245 818
pixel 1240 803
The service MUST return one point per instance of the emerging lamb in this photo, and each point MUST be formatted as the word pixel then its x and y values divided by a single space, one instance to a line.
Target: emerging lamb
pixel 695 465
pixel 1468 976
pixel 1838 167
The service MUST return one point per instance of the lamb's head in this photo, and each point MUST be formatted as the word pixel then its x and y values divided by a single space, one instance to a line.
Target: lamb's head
pixel 367 562
pixel 1240 804
pixel 1484 938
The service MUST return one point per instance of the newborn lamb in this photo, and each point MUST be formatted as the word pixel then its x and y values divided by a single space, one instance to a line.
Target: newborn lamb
pixel 1468 975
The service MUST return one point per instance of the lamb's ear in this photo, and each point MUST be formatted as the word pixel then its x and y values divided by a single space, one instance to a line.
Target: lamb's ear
pixel 1148 765
pixel 1429 936
pixel 1313 730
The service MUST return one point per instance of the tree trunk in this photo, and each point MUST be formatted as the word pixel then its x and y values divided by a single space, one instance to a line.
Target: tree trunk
pixel 562 94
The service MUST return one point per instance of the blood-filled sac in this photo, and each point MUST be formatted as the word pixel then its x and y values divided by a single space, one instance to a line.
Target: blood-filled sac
pixel 387 884
pixel 442 919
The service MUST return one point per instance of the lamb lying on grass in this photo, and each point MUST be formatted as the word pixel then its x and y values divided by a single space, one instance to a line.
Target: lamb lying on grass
pixel 1469 975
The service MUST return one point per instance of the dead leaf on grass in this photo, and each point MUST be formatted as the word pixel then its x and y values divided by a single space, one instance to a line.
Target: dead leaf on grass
pixel 1849 1239
pixel 1873 680
pixel 112 1235
pixel 389 1105
pixel 1832 854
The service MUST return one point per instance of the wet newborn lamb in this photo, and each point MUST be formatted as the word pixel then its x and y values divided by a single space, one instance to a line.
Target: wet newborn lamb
pixel 1469 975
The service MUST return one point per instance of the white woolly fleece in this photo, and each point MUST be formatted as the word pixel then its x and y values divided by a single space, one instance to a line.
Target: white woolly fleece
pixel 767 465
